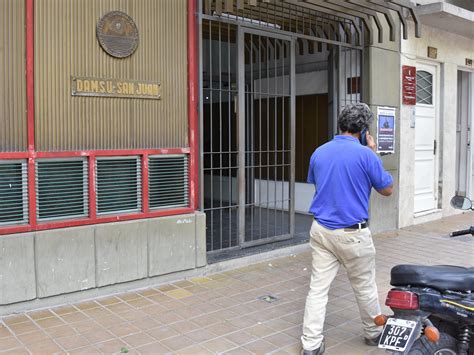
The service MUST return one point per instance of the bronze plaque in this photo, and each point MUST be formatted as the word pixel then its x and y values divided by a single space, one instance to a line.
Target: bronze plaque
pixel 117 34
pixel 133 89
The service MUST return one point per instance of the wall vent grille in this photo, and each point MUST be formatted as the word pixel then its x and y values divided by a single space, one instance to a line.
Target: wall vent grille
pixel 168 181
pixel 61 189
pixel 13 192
pixel 118 185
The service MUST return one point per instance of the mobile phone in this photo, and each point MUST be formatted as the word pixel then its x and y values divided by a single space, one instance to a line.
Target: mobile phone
pixel 363 138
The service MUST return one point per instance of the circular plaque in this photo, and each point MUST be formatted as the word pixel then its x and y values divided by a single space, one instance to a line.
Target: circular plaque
pixel 117 34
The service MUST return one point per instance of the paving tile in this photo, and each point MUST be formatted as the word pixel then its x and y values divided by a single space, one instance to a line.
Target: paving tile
pixel 119 307
pixel 44 347
pixel 111 346
pixel 178 342
pixel 179 293
pixel 16 351
pixel 219 345
pixel 138 339
pixel 260 330
pixel 10 320
pixel 74 317
pixel 87 305
pixel 153 348
pixel 9 343
pixel 201 335
pixel 123 329
pixel 148 292
pixel 90 349
pixel 98 336
pixel 169 318
pixel 5 332
pixel 129 296
pixel 241 337
pixel 260 347
pixel 139 302
pixel 26 327
pixel 46 313
pixel 108 301
pixel 165 288
pixel 60 311
pixel 72 342
pixel 163 332
pixel 33 337
pixel 60 331
pixel 281 340
pixel 237 351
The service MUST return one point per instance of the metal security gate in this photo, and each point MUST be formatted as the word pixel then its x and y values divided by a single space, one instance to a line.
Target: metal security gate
pixel 247 137
pixel 272 87
pixel 266 120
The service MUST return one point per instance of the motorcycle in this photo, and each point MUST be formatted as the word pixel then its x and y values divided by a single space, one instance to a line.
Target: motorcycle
pixel 433 306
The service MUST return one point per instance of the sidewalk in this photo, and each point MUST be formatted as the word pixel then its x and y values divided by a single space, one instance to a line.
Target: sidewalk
pixel 255 309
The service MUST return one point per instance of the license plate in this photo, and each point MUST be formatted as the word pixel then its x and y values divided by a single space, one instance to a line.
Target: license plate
pixel 396 334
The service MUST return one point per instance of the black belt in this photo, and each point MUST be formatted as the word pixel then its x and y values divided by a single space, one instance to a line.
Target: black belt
pixel 362 225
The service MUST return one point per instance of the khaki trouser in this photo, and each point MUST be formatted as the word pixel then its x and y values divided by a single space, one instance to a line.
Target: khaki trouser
pixel 355 250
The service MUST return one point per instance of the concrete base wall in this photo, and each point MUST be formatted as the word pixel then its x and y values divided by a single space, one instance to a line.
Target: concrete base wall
pixel 55 262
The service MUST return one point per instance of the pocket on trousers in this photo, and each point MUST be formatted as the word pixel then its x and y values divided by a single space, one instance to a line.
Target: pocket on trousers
pixel 356 246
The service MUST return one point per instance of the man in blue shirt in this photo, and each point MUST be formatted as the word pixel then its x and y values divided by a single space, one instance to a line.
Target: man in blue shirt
pixel 344 171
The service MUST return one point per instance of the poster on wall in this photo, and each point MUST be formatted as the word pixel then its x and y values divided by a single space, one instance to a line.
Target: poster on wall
pixel 385 130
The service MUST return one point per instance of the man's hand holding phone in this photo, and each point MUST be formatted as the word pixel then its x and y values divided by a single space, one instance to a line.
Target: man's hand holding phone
pixel 370 142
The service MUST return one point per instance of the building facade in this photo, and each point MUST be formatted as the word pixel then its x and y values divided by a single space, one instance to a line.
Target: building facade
pixel 142 139
pixel 436 131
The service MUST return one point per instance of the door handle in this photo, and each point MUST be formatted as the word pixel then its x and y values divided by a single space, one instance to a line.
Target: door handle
pixel 434 148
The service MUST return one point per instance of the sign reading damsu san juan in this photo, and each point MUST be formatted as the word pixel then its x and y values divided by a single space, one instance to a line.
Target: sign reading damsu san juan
pixel 135 89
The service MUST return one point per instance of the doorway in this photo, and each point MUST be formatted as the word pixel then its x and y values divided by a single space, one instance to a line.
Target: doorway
pixel 268 101
pixel 465 114
pixel 426 145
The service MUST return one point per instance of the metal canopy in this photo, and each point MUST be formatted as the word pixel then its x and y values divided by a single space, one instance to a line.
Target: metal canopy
pixel 334 20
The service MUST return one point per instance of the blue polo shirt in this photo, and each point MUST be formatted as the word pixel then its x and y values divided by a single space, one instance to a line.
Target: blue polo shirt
pixel 344 172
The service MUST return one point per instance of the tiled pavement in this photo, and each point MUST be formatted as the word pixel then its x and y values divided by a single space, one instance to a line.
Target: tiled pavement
pixel 222 313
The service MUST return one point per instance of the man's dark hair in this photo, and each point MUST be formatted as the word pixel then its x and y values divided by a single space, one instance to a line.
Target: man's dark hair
pixel 354 118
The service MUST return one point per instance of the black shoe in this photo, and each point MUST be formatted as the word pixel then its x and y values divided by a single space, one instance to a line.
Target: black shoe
pixel 373 341
pixel 318 351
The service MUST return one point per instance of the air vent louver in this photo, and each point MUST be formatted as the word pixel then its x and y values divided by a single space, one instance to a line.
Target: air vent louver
pixel 61 189
pixel 13 192
pixel 118 185
pixel 168 181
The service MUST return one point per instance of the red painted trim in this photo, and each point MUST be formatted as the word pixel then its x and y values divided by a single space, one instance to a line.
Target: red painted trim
pixel 193 113
pixel 92 191
pixel 14 155
pixel 86 153
pixel 30 69
pixel 104 219
pixel 145 207
pixel 31 192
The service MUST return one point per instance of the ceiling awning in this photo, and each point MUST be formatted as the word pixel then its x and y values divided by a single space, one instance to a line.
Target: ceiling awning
pixel 448 17
pixel 357 13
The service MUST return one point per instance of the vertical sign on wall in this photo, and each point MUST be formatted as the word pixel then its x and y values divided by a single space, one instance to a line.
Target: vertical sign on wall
pixel 409 85
pixel 386 130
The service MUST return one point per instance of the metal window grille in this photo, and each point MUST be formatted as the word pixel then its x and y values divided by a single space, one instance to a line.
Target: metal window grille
pixel 289 17
pixel 13 192
pixel 168 181
pixel 61 189
pixel 118 185
pixel 424 87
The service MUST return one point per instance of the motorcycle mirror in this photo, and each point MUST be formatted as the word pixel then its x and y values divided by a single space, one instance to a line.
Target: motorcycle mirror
pixel 461 203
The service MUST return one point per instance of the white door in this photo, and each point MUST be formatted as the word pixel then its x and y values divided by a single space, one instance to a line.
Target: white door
pixel 463 132
pixel 426 171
